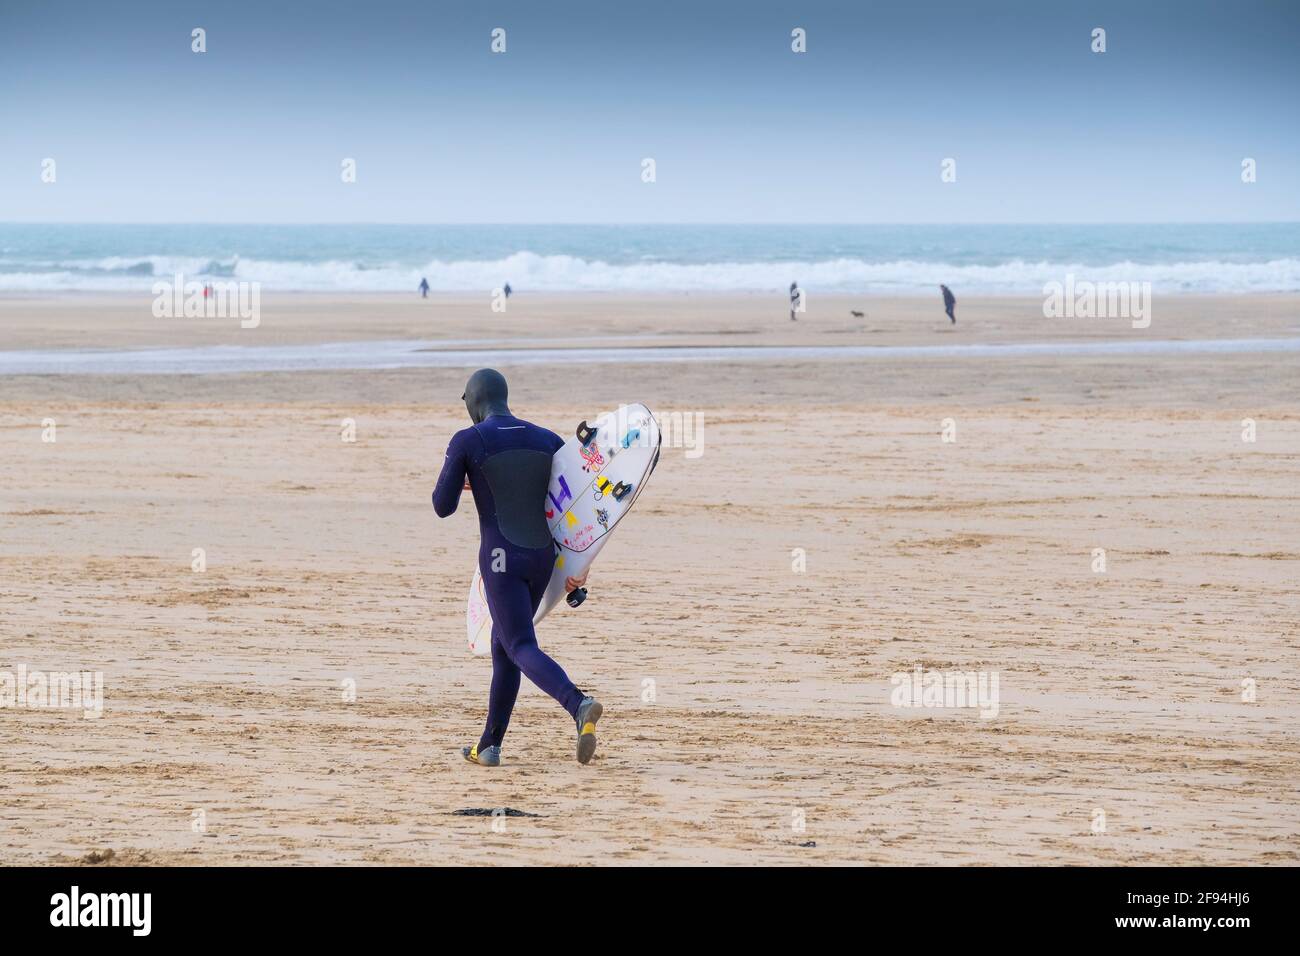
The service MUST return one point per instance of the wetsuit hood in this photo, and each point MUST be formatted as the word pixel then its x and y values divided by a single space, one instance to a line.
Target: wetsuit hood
pixel 485 394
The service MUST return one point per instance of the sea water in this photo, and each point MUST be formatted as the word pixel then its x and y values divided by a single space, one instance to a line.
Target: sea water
pixel 869 259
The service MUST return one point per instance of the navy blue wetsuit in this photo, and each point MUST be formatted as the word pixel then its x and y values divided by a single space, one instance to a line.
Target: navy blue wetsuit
pixel 508 461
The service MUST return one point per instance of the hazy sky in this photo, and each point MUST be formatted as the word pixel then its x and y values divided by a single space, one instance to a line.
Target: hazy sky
pixel 741 129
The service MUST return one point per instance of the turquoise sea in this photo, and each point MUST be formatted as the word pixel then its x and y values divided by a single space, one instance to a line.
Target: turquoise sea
pixel 880 259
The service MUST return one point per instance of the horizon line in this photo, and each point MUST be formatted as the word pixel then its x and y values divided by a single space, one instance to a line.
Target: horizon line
pixel 784 224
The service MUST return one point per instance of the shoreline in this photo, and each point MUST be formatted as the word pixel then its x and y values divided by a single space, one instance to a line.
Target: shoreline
pixel 899 351
pixel 368 355
pixel 126 321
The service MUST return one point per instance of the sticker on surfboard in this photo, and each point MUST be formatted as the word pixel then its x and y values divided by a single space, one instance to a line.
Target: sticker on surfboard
pixel 595 479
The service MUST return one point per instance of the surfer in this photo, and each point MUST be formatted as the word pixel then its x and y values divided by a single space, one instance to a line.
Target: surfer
pixel 506 463
pixel 424 288
pixel 507 290
pixel 795 296
pixel 949 302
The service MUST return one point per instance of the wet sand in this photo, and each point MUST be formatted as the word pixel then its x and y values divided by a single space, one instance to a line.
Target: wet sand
pixel 102 320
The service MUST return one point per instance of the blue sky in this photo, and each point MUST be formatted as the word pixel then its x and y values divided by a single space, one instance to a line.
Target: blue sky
pixel 741 128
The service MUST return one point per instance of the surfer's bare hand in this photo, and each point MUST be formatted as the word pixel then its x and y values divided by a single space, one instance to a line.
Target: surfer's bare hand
pixel 573 583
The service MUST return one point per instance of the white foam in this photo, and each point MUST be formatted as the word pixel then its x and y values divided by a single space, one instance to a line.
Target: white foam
pixel 528 271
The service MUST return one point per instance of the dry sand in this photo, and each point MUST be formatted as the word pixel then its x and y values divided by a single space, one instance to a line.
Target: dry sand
pixel 1120 692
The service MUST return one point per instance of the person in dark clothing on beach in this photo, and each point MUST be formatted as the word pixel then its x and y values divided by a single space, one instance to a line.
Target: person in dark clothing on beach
pixel 506 462
pixel 424 288
pixel 949 302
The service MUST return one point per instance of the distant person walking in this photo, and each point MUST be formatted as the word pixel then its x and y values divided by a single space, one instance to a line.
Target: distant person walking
pixel 507 290
pixel 796 299
pixel 424 288
pixel 949 302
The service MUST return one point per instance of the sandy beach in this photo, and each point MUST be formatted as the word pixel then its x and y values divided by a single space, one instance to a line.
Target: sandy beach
pixel 748 714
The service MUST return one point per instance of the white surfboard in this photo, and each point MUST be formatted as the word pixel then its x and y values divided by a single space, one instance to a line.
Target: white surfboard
pixel 593 486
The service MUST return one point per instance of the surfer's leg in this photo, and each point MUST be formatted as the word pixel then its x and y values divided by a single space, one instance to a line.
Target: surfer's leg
pixel 513 600
pixel 543 671
pixel 588 710
pixel 501 699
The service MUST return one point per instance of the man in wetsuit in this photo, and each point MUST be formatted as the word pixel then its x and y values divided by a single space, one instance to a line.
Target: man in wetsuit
pixel 949 302
pixel 506 463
